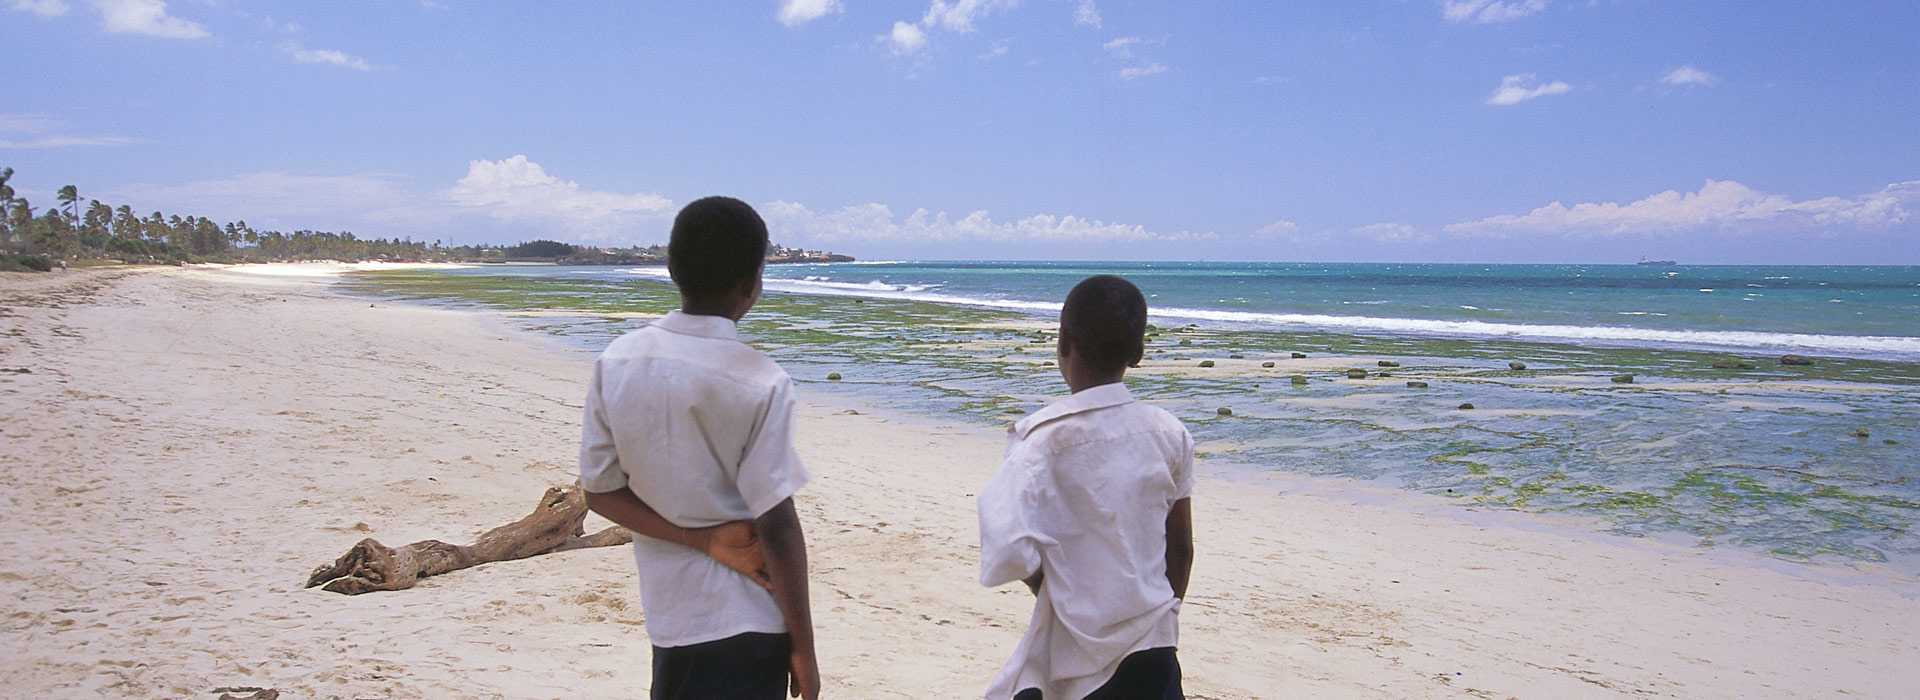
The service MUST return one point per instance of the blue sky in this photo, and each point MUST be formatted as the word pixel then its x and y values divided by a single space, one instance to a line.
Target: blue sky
pixel 1463 130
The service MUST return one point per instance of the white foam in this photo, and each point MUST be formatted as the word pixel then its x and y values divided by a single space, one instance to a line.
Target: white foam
pixel 1878 346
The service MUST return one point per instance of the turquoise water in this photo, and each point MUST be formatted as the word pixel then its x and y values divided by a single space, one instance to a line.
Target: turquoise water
pixel 1761 457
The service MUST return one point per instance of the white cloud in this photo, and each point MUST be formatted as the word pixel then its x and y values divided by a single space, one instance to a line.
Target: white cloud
pixel 1121 46
pixel 906 38
pixel 1515 89
pixel 1688 75
pixel 43 142
pixel 1489 11
pixel 44 8
pixel 1132 72
pixel 996 50
pixel 146 18
pixel 790 221
pixel 794 13
pixel 516 194
pixel 1719 204
pixel 327 57
pixel 958 15
pixel 37 126
pixel 1086 14
pixel 1391 233
pixel 1278 229
pixel 519 189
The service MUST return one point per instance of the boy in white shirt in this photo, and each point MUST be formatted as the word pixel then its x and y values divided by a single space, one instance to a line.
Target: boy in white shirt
pixel 687 441
pixel 1091 509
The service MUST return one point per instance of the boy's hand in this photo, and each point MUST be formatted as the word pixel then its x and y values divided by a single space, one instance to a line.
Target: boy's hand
pixel 804 670
pixel 736 546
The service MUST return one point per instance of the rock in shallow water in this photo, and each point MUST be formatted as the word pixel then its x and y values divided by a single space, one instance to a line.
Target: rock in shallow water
pixel 1862 432
pixel 1466 407
pixel 1623 379
pixel 1516 365
pixel 1224 411
pixel 1299 356
pixel 1388 363
pixel 1416 385
pixel 1298 380
pixel 833 376
pixel 1206 363
pixel 1731 363
pixel 1799 360
pixel 1267 365
pixel 1356 374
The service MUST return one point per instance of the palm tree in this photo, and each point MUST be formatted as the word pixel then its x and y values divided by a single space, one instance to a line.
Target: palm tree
pixel 70 198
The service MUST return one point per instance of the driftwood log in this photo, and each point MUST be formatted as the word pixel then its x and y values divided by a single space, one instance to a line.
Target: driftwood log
pixel 553 526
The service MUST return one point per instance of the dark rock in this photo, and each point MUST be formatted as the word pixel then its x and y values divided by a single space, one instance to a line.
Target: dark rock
pixel 1224 411
pixel 1356 374
pixel 1623 379
pixel 1861 432
pixel 1800 360
pixel 1206 363
pixel 1731 363
pixel 1299 356
pixel 1388 363
pixel 833 376
pixel 1236 357
pixel 1184 341
pixel 1516 365
pixel 1416 385
pixel 1267 365
pixel 1298 380
pixel 1466 407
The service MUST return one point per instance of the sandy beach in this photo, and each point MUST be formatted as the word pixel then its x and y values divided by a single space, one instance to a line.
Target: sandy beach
pixel 182 446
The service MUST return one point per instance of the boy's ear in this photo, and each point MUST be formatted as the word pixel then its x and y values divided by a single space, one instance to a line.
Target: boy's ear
pixel 1139 353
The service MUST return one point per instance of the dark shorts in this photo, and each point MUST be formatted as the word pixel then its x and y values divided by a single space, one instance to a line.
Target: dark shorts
pixel 1149 674
pixel 750 666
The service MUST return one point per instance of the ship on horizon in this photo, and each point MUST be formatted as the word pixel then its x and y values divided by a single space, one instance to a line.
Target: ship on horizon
pixel 1662 263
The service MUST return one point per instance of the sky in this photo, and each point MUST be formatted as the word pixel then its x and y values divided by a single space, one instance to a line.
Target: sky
pixel 1445 130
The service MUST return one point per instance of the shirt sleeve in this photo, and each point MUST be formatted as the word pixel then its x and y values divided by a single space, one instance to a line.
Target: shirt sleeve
pixel 1010 539
pixel 600 470
pixel 770 471
pixel 1183 468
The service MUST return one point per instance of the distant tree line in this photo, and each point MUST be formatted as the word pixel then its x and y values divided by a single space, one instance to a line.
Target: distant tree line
pixel 93 230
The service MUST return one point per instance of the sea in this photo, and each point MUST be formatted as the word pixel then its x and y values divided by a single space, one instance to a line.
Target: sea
pixel 1646 400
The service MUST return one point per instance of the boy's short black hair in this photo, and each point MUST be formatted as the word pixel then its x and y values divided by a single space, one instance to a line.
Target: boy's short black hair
pixel 1105 320
pixel 718 244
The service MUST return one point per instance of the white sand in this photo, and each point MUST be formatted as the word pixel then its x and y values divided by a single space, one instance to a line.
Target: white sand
pixel 190 443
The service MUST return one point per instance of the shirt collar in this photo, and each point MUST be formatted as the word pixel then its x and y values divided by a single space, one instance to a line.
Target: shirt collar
pixel 716 327
pixel 1103 396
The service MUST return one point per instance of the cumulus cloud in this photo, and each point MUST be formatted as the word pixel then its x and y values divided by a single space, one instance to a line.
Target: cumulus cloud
pixel 146 18
pixel 325 57
pixel 794 13
pixel 1086 14
pixel 44 8
pixel 519 189
pixel 1688 75
pixel 791 221
pixel 1515 89
pixel 1719 204
pixel 1489 11
pixel 906 38
pixel 1133 72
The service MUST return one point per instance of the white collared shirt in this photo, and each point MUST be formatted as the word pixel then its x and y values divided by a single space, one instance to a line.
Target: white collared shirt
pixel 1083 496
pixel 698 425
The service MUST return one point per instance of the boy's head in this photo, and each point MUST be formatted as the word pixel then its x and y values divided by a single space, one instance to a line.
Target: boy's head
pixel 1103 328
pixel 715 255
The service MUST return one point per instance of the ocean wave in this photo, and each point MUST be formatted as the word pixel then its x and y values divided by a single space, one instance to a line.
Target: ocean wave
pixel 1877 346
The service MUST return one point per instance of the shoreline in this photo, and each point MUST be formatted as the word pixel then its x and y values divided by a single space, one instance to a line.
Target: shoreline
pixel 258 425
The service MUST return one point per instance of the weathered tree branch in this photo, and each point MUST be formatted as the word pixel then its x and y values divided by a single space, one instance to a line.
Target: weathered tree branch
pixel 553 526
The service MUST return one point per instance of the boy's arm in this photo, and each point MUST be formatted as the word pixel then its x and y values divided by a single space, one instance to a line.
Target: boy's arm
pixel 734 544
pixel 786 552
pixel 1033 582
pixel 1180 546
